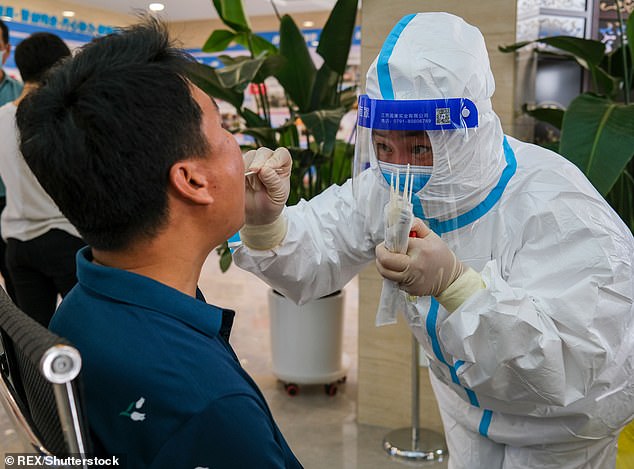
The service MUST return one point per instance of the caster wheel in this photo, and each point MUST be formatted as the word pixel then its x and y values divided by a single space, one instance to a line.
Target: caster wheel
pixel 342 380
pixel 291 389
pixel 331 389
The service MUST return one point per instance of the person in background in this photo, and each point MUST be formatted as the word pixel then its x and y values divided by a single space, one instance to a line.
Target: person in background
pixel 520 274
pixel 10 89
pixel 136 157
pixel 41 242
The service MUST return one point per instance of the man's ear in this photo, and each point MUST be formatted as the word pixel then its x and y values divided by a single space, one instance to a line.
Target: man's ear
pixel 190 182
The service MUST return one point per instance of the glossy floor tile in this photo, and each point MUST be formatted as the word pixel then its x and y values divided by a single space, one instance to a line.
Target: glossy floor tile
pixel 321 429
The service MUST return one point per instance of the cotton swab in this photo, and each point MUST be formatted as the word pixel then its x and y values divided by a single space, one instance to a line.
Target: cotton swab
pixel 255 171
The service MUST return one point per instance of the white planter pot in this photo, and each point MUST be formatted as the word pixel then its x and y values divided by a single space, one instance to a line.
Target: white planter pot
pixel 307 340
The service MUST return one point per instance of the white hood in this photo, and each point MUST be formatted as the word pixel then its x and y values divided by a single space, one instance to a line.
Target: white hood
pixel 436 56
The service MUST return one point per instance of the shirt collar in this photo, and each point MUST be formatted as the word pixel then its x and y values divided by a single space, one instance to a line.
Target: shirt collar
pixel 128 287
pixel 5 78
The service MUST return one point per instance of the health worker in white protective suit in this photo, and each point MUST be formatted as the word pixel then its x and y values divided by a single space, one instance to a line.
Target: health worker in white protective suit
pixel 525 281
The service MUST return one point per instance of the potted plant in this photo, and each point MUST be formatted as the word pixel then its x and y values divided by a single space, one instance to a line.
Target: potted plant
pixel 306 342
pixel 597 128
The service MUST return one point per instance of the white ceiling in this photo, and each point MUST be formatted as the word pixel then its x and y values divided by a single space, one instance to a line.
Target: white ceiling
pixel 182 10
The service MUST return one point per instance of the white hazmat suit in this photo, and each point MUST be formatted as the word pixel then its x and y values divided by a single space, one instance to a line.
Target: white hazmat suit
pixel 535 370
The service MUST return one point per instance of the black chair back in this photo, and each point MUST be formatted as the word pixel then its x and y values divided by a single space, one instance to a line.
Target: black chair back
pixel 40 385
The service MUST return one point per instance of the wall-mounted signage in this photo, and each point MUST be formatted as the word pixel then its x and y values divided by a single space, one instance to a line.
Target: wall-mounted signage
pixel 35 18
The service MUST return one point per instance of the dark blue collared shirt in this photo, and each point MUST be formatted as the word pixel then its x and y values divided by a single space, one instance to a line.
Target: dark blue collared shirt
pixel 162 384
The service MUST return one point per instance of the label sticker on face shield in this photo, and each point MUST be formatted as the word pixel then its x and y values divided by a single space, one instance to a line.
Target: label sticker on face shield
pixel 432 114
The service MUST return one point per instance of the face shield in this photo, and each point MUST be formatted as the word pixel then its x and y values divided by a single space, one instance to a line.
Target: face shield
pixel 431 84
pixel 400 143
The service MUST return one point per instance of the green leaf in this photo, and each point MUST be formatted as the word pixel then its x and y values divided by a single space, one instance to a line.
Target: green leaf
pixel 206 78
pixel 252 119
pixel 587 52
pixel 225 256
pixel 255 44
pixel 621 197
pixel 341 163
pixel 598 136
pixel 323 125
pixel 289 136
pixel 264 136
pixel 513 47
pixel 336 35
pixel 325 93
pixel 231 12
pixel 548 114
pixel 608 85
pixel 219 40
pixel 298 73
pixel 303 174
pixel 240 73
pixel 269 68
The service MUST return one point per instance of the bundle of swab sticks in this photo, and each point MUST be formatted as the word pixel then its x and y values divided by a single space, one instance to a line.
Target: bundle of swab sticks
pixel 398 221
pixel 398 213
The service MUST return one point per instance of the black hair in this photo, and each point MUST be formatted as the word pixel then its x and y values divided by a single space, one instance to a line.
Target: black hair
pixel 36 54
pixel 5 32
pixel 106 126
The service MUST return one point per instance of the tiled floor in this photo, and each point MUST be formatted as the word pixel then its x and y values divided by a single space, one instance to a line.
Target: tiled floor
pixel 321 430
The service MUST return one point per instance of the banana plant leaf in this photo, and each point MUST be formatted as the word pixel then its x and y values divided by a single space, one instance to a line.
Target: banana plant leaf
pixel 305 160
pixel 232 14
pixel 289 136
pixel 325 94
pixel 336 36
pixel 219 40
pixel 252 119
pixel 298 73
pixel 587 52
pixel 598 136
pixel 206 78
pixel 264 136
pixel 338 168
pixel 239 72
pixel 269 68
pixel 323 125
pixel 606 83
pixel 551 115
pixel 254 43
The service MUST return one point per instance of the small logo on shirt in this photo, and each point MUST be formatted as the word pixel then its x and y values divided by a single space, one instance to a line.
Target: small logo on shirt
pixel 133 414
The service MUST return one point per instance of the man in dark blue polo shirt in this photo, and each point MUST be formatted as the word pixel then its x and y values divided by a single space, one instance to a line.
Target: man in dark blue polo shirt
pixel 136 157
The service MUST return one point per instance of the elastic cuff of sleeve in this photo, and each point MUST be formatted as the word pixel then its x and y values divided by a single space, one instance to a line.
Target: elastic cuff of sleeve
pixel 461 289
pixel 264 237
